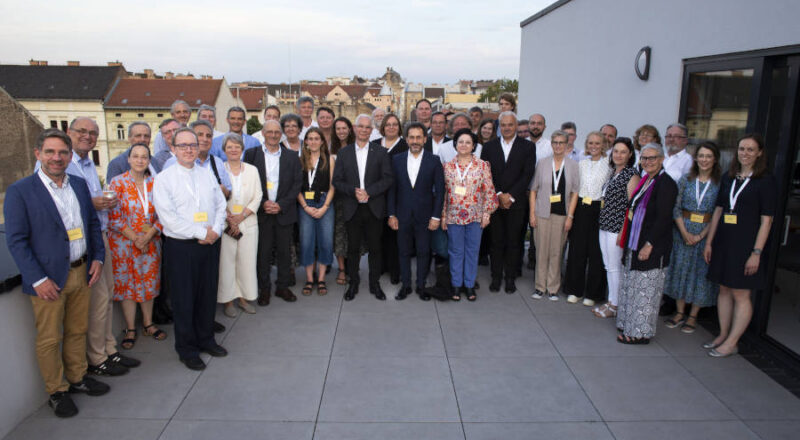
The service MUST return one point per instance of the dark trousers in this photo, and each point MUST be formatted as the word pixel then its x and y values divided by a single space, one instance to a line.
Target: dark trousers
pixel 364 222
pixel 412 235
pixel 161 302
pixel 506 246
pixel 277 237
pixel 390 253
pixel 192 273
pixel 585 272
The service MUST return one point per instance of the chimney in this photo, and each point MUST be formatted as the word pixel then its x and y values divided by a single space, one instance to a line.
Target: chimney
pixel 73 63
pixel 114 63
pixel 33 62
pixel 149 73
pixel 169 75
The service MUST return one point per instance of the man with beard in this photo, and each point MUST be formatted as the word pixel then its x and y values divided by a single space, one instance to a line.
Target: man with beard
pixel 677 161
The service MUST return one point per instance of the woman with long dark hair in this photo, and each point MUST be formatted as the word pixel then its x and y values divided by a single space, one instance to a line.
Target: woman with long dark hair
pixel 343 135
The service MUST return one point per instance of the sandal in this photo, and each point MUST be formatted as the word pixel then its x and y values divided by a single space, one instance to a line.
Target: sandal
pixel 322 288
pixel 472 297
pixel 632 341
pixel 158 334
pixel 605 311
pixel 341 278
pixel 689 328
pixel 309 286
pixel 128 343
pixel 674 321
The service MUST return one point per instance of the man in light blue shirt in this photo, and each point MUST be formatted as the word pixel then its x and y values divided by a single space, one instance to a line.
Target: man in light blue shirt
pixel 236 121
pixel 138 133
pixel 180 112
pixel 204 133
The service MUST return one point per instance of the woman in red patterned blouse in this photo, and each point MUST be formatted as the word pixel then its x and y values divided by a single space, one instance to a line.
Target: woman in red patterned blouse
pixel 469 202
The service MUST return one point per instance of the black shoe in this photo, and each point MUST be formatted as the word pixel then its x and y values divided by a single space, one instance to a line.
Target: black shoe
pixel 403 293
pixel 510 286
pixel 470 294
pixel 286 295
pixel 125 361
pixel 495 285
pixel 62 404
pixel 107 368
pixel 218 328
pixel 292 279
pixel 376 290
pixel 423 294
pixel 483 260
pixel 477 286
pixel 394 279
pixel 352 291
pixel 194 363
pixel 217 351
pixel 89 386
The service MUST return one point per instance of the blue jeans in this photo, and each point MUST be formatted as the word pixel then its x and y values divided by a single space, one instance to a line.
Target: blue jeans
pixel 316 234
pixel 463 245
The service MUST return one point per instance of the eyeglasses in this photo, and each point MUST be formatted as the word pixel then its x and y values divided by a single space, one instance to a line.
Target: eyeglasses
pixel 192 146
pixel 84 132
pixel 559 143
pixel 648 158
pixel 675 136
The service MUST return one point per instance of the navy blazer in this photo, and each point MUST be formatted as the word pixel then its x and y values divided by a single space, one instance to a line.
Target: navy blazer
pixel 512 176
pixel 425 199
pixel 377 179
pixel 35 233
pixel 290 181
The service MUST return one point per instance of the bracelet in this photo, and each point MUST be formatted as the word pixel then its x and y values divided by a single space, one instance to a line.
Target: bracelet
pixel 756 251
pixel 570 216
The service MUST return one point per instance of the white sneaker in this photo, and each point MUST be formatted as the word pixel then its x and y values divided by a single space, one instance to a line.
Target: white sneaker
pixel 553 297
pixel 538 294
pixel 572 299
pixel 588 302
pixel 230 310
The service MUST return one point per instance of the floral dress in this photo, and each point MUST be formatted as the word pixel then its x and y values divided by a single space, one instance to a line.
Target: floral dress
pixel 478 199
pixel 137 274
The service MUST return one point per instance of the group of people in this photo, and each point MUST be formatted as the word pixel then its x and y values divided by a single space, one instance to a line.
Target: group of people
pixel 202 218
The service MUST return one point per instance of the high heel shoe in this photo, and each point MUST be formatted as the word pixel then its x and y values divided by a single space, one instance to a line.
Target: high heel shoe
pixel 710 345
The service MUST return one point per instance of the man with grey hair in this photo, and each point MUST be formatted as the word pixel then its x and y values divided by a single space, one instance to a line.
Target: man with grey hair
pixel 271 113
pixel 448 151
pixel 305 108
pixel 377 118
pixel 209 113
pixel 166 129
pixel 237 119
pixel 677 161
pixel 180 112
pixel 512 161
pixel 204 132
pixel 138 133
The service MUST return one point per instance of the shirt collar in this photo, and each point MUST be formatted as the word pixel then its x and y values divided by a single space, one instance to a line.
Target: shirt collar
pixel 503 140
pixel 365 147
pixel 276 154
pixel 81 161
pixel 49 182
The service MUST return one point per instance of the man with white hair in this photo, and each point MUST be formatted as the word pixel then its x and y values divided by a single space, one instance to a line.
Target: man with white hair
pixel 209 113
pixel 180 112
pixel 377 118
pixel 677 161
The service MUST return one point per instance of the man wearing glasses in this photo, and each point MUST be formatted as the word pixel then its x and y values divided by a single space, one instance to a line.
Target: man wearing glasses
pixel 677 161
pixel 191 208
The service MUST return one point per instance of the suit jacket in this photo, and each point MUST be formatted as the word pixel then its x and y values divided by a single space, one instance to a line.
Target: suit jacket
pixel 425 199
pixel 378 179
pixel 400 147
pixel 35 233
pixel 429 142
pixel 514 175
pixel 289 182
pixel 657 225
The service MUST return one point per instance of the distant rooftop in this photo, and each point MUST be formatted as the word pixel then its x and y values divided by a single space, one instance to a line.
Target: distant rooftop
pixel 59 82
pixel 161 93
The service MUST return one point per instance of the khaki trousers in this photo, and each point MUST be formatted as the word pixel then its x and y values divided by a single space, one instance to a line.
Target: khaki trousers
pixel 550 238
pixel 100 340
pixel 61 332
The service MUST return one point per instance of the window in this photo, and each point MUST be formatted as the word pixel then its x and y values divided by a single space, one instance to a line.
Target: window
pixel 53 124
pixel 160 115
pixel 64 126
pixel 119 115
pixel 141 115
pixel 96 157
pixel 120 132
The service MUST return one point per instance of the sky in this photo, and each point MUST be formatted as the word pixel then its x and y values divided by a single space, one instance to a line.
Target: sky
pixel 428 41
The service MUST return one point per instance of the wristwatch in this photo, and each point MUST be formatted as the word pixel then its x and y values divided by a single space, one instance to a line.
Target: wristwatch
pixel 756 251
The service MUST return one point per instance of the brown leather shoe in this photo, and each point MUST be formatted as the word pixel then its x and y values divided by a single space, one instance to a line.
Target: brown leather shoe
pixel 263 298
pixel 286 295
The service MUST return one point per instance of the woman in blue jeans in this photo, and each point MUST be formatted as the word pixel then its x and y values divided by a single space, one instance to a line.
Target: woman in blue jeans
pixel 315 211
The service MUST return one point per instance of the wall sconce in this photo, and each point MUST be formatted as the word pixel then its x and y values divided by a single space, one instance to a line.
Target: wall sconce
pixel 642 63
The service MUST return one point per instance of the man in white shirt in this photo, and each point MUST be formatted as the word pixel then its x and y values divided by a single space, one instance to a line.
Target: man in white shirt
pixel 377 118
pixel 438 133
pixel 271 113
pixel 536 126
pixel 191 209
pixel 180 112
pixel 677 160
pixel 305 108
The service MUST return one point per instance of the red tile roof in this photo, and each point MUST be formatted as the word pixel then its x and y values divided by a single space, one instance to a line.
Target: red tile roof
pixel 161 93
pixel 253 98
pixel 318 91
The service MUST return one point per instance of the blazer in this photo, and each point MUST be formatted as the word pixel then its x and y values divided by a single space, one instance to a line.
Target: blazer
pixel 378 179
pixel 35 233
pixel 514 175
pixel 425 199
pixel 400 147
pixel 429 142
pixel 657 225
pixel 289 182
pixel 251 195
pixel 542 183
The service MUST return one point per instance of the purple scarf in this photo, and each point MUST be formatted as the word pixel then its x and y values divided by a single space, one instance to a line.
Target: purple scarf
pixel 638 213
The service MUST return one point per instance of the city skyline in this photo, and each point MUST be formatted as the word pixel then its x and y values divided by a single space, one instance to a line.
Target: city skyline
pixel 426 41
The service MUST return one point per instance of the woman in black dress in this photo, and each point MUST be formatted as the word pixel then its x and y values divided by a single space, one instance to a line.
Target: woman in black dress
pixel 394 144
pixel 739 231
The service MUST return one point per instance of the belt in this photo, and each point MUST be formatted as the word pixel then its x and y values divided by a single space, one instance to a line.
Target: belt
pixel 79 261
pixel 697 215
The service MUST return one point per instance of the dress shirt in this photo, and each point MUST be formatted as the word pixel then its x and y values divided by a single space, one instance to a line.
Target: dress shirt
pixel 447 151
pixel 361 161
pixel 85 169
pixel 272 162
pixel 436 146
pixel 223 172
pixel 179 193
pixel 69 209
pixel 305 129
pixel 543 149
pixel 576 154
pixel 506 146
pixel 678 164
pixel 412 166
pixel 216 145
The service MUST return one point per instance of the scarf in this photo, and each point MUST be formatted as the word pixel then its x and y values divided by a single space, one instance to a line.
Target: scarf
pixel 632 229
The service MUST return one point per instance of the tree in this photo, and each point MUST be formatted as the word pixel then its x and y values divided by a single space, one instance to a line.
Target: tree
pixel 253 125
pixel 498 88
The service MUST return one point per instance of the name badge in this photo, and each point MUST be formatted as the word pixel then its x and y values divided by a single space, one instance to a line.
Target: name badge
pixel 146 228
pixel 75 234
pixel 461 190
pixel 555 198
pixel 587 200
pixel 270 185
pixel 602 204
pixel 730 219
pixel 630 215
pixel 200 217
pixel 697 218
pixel 309 195
pixel 237 209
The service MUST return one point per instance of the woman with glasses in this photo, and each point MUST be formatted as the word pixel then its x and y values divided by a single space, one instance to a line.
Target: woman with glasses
pixel 394 144
pixel 291 126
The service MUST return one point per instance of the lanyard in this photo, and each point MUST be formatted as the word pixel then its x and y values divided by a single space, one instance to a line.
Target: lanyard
pixel 462 176
pixel 144 199
pixel 697 194
pixel 557 177
pixel 312 174
pixel 733 197
pixel 644 189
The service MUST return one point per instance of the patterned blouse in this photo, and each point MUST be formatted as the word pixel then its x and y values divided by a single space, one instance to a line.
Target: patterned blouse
pixel 477 199
pixel 612 216
pixel 594 174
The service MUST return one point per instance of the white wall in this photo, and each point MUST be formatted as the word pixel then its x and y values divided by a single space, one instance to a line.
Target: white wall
pixel 577 62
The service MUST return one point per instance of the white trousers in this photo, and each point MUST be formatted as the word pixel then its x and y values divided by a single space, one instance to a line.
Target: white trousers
pixel 612 259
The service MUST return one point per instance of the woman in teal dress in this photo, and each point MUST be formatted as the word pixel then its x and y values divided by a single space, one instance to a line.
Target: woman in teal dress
pixel 686 279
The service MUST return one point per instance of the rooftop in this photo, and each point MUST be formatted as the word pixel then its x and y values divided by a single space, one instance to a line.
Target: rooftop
pixel 161 93
pixel 59 82
pixel 252 97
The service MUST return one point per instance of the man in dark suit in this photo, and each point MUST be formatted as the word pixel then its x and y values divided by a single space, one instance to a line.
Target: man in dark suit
pixel 53 234
pixel 281 176
pixel 415 206
pixel 513 161
pixel 362 176
pixel 438 135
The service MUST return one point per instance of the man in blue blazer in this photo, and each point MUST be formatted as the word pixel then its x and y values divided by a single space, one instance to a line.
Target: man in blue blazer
pixel 53 234
pixel 415 206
